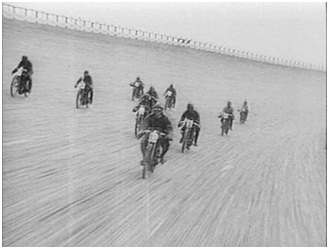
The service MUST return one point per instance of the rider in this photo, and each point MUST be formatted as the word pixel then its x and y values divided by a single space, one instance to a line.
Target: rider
pixel 145 101
pixel 138 84
pixel 173 94
pixel 245 108
pixel 156 119
pixel 154 96
pixel 229 110
pixel 27 65
pixel 89 84
pixel 193 115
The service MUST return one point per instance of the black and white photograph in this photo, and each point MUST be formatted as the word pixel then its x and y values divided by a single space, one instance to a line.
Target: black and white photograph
pixel 164 124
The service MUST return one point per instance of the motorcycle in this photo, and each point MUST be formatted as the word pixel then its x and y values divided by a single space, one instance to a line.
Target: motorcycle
pixel 153 151
pixel 139 119
pixel 19 83
pixel 189 133
pixel 169 100
pixel 84 97
pixel 226 122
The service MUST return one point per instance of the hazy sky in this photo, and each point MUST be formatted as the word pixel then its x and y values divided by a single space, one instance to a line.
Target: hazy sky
pixel 286 30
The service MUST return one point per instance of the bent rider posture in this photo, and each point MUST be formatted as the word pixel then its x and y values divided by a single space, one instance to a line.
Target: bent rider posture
pixel 27 65
pixel 158 121
pixel 89 85
pixel 171 92
pixel 191 114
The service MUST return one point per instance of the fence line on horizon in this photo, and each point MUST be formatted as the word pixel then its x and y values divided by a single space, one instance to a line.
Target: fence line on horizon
pixel 34 16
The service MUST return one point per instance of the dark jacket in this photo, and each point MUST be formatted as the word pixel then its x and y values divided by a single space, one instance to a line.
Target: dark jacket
pixel 194 115
pixel 228 110
pixel 87 79
pixel 27 65
pixel 141 84
pixel 153 94
pixel 161 124
pixel 172 90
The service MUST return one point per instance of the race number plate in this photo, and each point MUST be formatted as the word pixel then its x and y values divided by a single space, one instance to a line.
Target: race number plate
pixel 82 85
pixel 141 110
pixel 189 123
pixel 153 138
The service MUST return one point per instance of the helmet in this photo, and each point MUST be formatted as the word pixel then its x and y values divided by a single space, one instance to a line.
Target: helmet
pixel 24 57
pixel 138 78
pixel 229 102
pixel 190 106
pixel 157 107
pixel 171 85
pixel 86 72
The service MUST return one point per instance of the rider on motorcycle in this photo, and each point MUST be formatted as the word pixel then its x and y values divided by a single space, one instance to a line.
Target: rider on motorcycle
pixel 156 119
pixel 245 109
pixel 193 115
pixel 173 94
pixel 27 65
pixel 139 85
pixel 145 101
pixel 153 93
pixel 89 85
pixel 229 110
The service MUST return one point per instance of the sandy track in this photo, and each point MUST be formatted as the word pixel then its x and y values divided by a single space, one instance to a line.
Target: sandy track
pixel 71 177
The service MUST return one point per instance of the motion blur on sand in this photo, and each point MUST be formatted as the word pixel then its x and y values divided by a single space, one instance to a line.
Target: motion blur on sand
pixel 71 177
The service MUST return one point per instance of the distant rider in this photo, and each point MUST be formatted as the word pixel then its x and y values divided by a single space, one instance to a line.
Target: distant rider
pixel 157 120
pixel 139 85
pixel 154 96
pixel 145 101
pixel 191 114
pixel 171 92
pixel 89 85
pixel 229 110
pixel 245 109
pixel 27 65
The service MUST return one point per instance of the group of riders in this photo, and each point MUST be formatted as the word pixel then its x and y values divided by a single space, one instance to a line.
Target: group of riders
pixel 155 119
pixel 85 83
pixel 153 116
